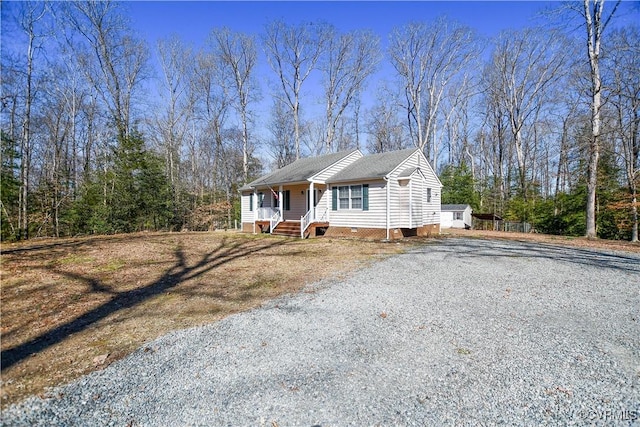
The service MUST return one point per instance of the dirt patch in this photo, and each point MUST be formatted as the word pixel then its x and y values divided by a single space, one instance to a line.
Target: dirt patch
pixel 76 305
pixel 580 242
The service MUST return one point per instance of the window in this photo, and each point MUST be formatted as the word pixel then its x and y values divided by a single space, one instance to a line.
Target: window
pixel 457 216
pixel 260 199
pixel 286 202
pixel 350 197
pixel 343 194
pixel 356 197
pixel 428 195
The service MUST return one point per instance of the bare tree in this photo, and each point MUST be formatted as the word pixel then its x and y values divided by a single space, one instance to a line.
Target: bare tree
pixel 527 63
pixel 494 145
pixel 212 107
pixel 31 16
pixel 293 52
pixel 349 59
pixel 282 141
pixel 595 24
pixel 113 59
pixel 427 57
pixel 457 113
pixel 384 127
pixel 175 58
pixel 625 100
pixel 238 57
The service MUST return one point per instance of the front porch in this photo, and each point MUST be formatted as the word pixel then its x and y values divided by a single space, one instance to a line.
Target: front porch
pixel 270 220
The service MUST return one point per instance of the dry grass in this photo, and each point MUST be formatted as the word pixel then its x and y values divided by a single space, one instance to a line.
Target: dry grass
pixel 67 302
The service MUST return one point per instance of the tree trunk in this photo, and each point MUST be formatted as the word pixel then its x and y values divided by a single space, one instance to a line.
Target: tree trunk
pixel 593 49
pixel 25 147
pixel 594 26
pixel 634 216
pixel 296 125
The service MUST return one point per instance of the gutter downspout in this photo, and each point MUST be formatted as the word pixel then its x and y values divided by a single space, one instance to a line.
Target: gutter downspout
pixel 388 211
pixel 255 209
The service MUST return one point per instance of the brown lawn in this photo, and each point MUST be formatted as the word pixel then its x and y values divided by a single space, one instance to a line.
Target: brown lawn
pixel 67 304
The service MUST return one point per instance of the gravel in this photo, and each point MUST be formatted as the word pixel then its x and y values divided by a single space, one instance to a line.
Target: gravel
pixel 456 332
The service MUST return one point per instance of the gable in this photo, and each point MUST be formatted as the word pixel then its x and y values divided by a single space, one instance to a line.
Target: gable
pixel 415 161
pixel 336 167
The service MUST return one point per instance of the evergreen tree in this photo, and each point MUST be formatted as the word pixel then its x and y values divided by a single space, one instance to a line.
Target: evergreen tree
pixel 459 186
pixel 141 192
pixel 9 187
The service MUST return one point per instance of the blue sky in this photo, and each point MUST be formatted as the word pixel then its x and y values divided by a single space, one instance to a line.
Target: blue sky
pixel 193 21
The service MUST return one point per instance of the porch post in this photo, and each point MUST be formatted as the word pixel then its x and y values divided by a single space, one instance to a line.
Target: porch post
pixel 280 203
pixel 312 208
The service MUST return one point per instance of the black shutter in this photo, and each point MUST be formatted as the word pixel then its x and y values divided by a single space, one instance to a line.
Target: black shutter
pixel 251 202
pixel 365 197
pixel 287 200
pixel 334 198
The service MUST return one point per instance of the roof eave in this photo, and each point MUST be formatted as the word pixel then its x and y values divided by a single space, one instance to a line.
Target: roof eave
pixel 374 178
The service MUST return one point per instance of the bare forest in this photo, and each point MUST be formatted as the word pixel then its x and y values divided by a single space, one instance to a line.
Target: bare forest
pixel 103 132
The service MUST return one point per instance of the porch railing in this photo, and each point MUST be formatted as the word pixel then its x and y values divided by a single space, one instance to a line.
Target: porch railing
pixel 274 221
pixel 265 214
pixel 304 222
pixel 321 215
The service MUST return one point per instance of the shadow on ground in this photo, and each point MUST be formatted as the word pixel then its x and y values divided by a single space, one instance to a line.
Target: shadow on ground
pixel 178 273
pixel 475 247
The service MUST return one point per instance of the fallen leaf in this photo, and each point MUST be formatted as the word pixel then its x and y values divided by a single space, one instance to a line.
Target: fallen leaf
pixel 99 360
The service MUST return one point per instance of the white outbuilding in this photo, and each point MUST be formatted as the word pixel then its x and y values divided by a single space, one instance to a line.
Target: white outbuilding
pixel 455 216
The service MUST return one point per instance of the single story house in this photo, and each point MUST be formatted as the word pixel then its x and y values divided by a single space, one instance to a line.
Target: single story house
pixel 456 216
pixel 386 196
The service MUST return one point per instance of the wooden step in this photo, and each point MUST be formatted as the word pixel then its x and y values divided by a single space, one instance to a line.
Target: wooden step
pixel 287 228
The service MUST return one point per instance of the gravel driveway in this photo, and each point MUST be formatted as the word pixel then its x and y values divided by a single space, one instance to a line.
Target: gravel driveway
pixel 457 332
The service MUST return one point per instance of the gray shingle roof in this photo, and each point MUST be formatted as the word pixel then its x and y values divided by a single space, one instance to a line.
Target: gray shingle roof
pixel 453 208
pixel 299 171
pixel 372 166
pixel 407 172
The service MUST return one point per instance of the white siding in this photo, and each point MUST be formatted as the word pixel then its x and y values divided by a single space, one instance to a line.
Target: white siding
pixel 417 195
pixel 324 202
pixel 395 204
pixel 322 176
pixel 430 210
pixel 375 217
pixel 400 193
pixel 467 216
pixel 404 191
pixel 446 219
pixel 245 214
